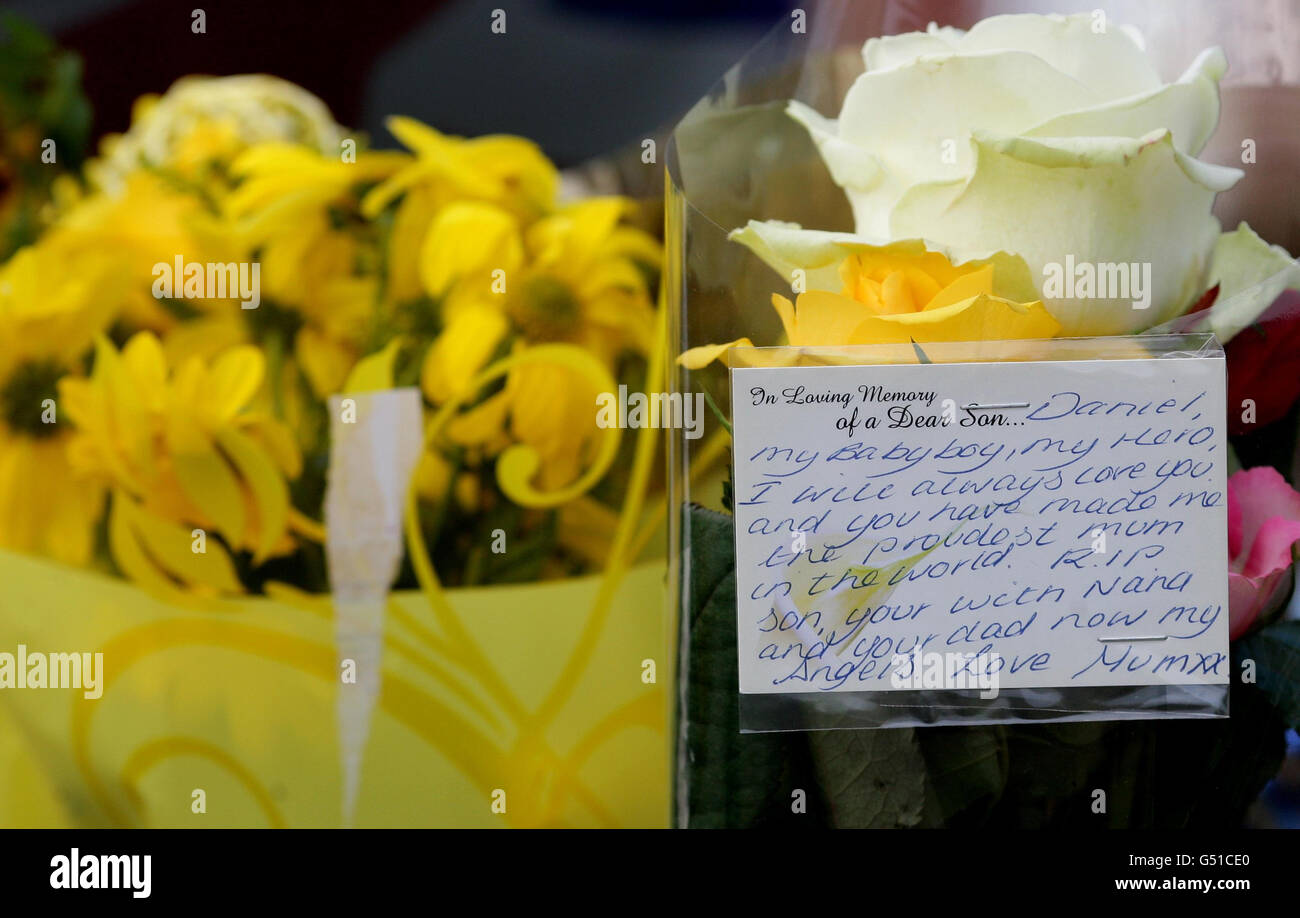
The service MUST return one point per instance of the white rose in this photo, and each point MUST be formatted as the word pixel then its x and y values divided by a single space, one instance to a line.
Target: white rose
pixel 1047 137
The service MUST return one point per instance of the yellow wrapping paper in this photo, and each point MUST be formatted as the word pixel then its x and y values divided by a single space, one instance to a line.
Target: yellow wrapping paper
pixel 237 701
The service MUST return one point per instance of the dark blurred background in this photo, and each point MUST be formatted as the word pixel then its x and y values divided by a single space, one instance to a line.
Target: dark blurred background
pixel 580 77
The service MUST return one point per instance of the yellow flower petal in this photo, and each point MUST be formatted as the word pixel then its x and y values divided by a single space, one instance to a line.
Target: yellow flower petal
pixel 553 410
pixel 463 348
pixel 587 224
pixel 980 318
pixel 171 547
pixel 630 242
pixel 76 400
pixel 705 354
pixel 896 294
pixel 822 318
pixel 482 423
pixel 56 519
pixel 615 274
pixel 127 426
pixel 415 135
pixel 410 226
pixel 375 372
pixel 69 517
pixel 964 287
pixel 204 337
pixel 389 190
pixel 129 554
pixel 233 379
pixel 441 153
pixel 469 238
pixel 211 485
pixel 277 440
pixel 324 362
pixel 269 492
pixel 143 359
pixel 924 285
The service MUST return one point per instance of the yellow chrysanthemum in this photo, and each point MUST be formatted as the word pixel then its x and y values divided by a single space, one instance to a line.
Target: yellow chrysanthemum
pixel 550 408
pixel 406 241
pixel 471 336
pixel 182 453
pixel 296 209
pixel 201 124
pixel 510 172
pixel 582 283
pixel 144 222
pixel 50 310
pixel 573 278
pixel 894 295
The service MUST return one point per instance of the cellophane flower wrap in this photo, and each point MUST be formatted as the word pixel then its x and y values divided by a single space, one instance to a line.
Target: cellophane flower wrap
pixel 906 174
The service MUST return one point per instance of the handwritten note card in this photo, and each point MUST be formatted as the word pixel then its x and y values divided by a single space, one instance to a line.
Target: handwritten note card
pixel 1063 523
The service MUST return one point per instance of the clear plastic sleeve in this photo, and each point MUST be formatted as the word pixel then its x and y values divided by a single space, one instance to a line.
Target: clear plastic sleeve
pixel 737 156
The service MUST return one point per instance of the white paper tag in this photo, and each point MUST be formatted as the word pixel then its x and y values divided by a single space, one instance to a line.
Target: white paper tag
pixel 375 443
pixel 981 525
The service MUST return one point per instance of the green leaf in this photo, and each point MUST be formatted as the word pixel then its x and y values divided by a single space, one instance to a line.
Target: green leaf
pixel 871 779
pixel 967 769
pixel 25 38
pixel 1276 652
pixel 1050 771
pixel 1232 462
pixel 712 553
pixel 734 780
pixel 1189 774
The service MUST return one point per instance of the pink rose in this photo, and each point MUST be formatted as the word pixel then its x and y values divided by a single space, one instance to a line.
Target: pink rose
pixel 1263 525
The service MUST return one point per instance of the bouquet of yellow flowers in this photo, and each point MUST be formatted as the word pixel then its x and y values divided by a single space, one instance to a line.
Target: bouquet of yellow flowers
pixel 232 261
pixel 171 344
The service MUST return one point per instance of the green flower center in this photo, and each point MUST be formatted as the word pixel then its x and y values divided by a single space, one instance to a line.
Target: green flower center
pixel 23 398
pixel 546 309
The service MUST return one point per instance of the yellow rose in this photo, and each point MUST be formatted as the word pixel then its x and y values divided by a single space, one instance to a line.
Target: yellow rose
pixel 897 294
